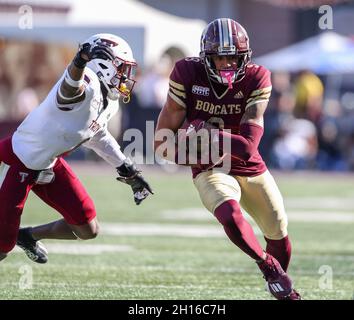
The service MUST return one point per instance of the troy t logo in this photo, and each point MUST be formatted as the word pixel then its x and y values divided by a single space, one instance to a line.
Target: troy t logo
pixel 94 126
pixel 23 176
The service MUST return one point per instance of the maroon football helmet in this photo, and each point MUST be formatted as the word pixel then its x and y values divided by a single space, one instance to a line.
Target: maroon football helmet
pixel 225 37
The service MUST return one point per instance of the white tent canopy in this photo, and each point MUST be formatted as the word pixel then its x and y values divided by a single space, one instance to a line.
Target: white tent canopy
pixel 158 30
pixel 327 53
pixel 162 30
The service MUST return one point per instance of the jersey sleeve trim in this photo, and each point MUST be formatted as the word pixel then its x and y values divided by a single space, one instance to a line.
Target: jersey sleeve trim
pixel 177 85
pixel 255 101
pixel 176 99
pixel 261 91
pixel 178 93
pixel 259 94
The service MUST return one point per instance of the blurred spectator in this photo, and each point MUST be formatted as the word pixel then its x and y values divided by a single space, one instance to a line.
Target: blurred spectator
pixel 15 68
pixel 349 152
pixel 279 110
pixel 29 69
pixel 297 148
pixel 309 96
pixel 5 84
pixel 27 100
pixel 151 92
pixel 45 67
pixel 153 85
pixel 330 154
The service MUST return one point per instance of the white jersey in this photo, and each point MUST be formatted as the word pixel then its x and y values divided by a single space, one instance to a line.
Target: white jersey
pixel 53 129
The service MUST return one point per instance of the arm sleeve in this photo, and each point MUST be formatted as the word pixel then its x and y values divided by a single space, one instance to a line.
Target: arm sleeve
pixel 106 147
pixel 245 144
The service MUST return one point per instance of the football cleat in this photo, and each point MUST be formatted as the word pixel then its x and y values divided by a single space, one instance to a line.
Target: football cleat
pixel 34 249
pixel 278 282
pixel 294 295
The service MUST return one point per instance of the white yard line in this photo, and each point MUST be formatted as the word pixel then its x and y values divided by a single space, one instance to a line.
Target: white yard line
pixel 159 229
pixel 82 249
pixel 321 217
pixel 181 230
pixel 200 214
pixel 320 203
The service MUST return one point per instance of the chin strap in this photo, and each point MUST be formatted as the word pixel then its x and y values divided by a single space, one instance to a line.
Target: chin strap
pixel 126 99
pixel 113 95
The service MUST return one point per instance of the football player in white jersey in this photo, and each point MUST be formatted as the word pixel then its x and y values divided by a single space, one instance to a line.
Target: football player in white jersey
pixel 75 112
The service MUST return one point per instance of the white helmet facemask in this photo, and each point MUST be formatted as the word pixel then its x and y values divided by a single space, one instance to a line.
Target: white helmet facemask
pixel 118 75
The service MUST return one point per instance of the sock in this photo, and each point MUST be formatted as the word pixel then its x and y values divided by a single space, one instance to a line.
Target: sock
pixel 238 229
pixel 30 234
pixel 280 250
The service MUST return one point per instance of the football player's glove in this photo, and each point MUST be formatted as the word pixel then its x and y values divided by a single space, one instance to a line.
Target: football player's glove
pixel 88 52
pixel 129 174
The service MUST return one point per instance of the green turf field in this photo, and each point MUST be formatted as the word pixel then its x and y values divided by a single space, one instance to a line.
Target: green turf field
pixel 170 248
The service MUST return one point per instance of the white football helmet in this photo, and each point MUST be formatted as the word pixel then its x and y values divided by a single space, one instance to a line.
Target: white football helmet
pixel 117 75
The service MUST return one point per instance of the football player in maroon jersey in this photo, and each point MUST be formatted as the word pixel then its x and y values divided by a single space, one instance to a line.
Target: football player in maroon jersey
pixel 223 86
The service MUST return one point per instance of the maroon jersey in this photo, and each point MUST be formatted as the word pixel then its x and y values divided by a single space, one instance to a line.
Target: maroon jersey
pixel 190 87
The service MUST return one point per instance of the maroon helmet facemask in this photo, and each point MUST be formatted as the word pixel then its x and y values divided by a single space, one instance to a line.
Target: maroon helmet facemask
pixel 225 37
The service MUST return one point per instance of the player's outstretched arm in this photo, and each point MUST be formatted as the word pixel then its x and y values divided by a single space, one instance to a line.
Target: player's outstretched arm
pixel 104 144
pixel 245 144
pixel 72 87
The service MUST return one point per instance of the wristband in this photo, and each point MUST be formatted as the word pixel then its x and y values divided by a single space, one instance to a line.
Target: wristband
pixel 71 82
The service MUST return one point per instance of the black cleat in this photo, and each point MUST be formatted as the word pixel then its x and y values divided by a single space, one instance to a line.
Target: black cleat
pixel 34 249
pixel 294 295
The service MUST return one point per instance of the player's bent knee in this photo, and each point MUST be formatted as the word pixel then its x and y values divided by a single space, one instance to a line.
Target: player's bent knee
pixel 7 245
pixel 228 212
pixel 88 236
pixel 92 234
pixel 277 231
pixel 87 231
